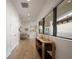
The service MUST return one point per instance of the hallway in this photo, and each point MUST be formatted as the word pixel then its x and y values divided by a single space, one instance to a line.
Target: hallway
pixel 50 20
pixel 25 50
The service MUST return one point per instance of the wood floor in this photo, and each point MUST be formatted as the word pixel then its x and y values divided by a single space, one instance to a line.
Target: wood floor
pixel 25 50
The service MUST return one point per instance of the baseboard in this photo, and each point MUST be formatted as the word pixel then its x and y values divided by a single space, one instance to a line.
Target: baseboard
pixel 11 50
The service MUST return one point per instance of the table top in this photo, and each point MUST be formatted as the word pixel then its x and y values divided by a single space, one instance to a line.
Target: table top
pixel 45 40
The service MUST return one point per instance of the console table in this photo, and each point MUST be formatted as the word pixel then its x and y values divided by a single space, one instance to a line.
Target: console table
pixel 46 48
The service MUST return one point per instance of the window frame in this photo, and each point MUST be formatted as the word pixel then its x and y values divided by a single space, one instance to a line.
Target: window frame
pixel 54 10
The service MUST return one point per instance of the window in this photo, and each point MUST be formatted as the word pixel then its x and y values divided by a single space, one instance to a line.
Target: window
pixel 64 19
pixel 58 22
pixel 41 27
pixel 48 24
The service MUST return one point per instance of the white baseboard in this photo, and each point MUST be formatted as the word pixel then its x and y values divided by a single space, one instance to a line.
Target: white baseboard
pixel 11 50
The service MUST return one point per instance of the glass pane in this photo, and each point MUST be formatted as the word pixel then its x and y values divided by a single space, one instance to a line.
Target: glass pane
pixel 48 24
pixel 64 7
pixel 64 19
pixel 41 27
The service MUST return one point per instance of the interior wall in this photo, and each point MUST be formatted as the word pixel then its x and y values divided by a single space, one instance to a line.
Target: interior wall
pixel 63 48
pixel 12 28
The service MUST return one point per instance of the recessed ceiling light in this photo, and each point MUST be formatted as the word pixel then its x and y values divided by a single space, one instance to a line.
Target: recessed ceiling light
pixel 28 0
pixel 69 1
pixel 28 14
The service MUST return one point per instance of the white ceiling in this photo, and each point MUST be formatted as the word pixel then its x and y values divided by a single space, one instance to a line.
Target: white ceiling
pixel 35 8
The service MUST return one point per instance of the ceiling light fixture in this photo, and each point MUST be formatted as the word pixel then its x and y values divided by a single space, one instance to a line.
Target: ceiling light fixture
pixel 69 1
pixel 28 0
pixel 28 14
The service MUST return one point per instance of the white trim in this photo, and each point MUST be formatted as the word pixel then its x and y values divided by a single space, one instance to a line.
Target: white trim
pixel 12 49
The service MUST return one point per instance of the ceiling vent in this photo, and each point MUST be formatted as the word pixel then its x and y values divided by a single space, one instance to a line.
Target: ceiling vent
pixel 24 5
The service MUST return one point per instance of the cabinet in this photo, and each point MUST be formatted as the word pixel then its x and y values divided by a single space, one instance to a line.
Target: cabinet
pixel 24 36
pixel 45 48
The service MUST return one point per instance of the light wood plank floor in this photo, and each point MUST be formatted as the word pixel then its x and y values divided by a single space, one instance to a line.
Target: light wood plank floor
pixel 25 50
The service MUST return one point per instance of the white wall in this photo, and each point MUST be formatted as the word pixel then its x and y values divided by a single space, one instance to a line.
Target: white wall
pixel 12 26
pixel 63 48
